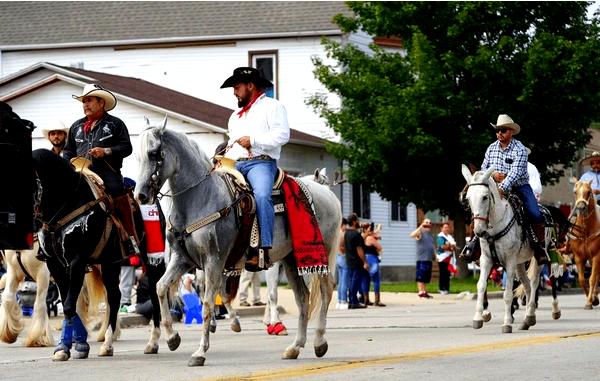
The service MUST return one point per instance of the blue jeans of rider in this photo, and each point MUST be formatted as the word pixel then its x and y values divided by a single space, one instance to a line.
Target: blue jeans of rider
pixel 342 278
pixel 261 176
pixel 530 203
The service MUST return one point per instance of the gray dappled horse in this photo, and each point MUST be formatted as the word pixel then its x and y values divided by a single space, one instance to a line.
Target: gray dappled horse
pixel 493 218
pixel 199 192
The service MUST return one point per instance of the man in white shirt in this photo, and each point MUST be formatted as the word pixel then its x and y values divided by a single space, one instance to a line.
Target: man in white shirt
pixel 257 130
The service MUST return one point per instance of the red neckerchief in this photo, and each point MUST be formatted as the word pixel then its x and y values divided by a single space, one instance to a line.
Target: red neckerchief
pixel 247 107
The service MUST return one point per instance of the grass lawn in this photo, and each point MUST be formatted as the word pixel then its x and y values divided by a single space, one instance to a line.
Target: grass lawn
pixel 456 286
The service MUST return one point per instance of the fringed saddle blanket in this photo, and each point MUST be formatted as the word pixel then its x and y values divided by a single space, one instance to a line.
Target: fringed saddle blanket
pixel 307 240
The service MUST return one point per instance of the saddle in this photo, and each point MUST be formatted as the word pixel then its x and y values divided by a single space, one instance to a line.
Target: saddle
pixel 248 237
pixel 517 205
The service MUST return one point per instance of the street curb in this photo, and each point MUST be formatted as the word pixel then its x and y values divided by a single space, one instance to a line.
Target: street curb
pixel 128 320
pixel 547 292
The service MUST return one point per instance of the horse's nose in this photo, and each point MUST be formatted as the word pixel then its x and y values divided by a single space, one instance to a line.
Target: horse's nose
pixel 142 198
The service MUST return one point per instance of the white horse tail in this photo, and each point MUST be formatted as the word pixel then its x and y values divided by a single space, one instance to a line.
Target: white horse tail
pixel 519 292
pixel 328 280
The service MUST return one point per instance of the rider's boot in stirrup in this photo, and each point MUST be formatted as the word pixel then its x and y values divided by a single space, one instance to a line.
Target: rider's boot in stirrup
pixel 257 260
pixel 471 251
pixel 538 247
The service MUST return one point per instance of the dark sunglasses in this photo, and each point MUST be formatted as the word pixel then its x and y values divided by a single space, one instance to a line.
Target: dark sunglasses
pixel 502 130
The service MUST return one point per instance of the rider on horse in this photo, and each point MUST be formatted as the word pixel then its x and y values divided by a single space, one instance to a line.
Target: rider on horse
pixel 508 157
pixel 105 140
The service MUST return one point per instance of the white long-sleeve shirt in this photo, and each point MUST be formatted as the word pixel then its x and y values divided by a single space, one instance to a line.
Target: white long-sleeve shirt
pixel 267 125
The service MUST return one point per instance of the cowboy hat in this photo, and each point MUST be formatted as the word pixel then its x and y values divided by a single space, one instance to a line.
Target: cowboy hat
pixel 93 90
pixel 56 125
pixel 587 160
pixel 246 75
pixel 505 121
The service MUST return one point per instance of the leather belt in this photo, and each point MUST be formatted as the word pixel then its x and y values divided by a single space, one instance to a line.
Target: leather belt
pixel 259 157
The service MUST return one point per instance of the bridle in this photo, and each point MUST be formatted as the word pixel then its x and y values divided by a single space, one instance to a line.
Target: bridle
pixel 486 219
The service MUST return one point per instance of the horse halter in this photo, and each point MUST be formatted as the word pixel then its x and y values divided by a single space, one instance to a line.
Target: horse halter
pixel 158 158
pixel 486 219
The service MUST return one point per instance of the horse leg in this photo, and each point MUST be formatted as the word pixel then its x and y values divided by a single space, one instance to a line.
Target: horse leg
pixel 110 278
pixel 593 283
pixel 175 269
pixel 73 328
pixel 301 295
pixel 484 273
pixel 230 287
pixel 271 317
pixel 555 309
pixel 154 272
pixel 580 263
pixel 212 283
pixel 40 333
pixel 11 324
pixel 530 319
pixel 486 314
pixel 508 296
pixel 325 284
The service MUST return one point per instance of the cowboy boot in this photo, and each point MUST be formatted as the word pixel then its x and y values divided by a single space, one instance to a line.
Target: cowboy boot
pixel 471 251
pixel 257 260
pixel 367 301
pixel 378 300
pixel 538 245
pixel 125 214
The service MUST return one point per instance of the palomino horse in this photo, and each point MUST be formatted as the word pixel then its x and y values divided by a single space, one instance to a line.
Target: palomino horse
pixel 19 263
pixel 500 234
pixel 198 192
pixel 584 239
pixel 76 232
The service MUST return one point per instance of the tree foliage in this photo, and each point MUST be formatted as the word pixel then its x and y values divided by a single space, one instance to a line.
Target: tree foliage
pixel 408 120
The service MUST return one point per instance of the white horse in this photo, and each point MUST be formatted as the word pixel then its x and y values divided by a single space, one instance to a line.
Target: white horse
pixel 11 325
pixel 198 241
pixel 496 226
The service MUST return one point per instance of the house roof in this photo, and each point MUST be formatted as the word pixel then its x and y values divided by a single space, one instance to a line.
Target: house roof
pixel 157 96
pixel 48 24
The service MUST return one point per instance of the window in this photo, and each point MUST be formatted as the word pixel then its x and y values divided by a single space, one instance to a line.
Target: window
pixel 361 201
pixel 399 212
pixel 266 63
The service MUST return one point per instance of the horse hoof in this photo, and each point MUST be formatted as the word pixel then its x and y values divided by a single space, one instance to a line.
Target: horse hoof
pixel 588 307
pixel 106 351
pixel 290 354
pixel 507 329
pixel 530 320
pixel 595 302
pixel 236 326
pixel 151 349
pixel 487 316
pixel 80 355
pixel 212 328
pixel 320 350
pixel 524 326
pixel 174 342
pixel 196 361
pixel 556 315
pixel 60 356
pixel 477 324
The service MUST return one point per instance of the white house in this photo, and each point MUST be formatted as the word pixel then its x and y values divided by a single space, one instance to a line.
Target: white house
pixel 188 48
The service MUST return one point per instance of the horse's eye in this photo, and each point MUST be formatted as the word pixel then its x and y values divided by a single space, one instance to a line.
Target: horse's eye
pixel 154 155
pixel 484 198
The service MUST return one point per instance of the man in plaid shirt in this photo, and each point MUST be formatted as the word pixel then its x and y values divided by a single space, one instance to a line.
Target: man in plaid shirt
pixel 508 157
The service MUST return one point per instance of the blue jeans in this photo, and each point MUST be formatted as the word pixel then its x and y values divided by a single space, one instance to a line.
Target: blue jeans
pixel 530 203
pixel 354 279
pixel 373 261
pixel 261 176
pixel 342 276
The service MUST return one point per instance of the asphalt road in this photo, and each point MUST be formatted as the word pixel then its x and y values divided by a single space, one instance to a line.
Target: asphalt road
pixel 410 339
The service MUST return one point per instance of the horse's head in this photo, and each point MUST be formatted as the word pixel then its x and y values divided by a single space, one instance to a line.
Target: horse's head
pixel 156 164
pixel 584 198
pixel 481 197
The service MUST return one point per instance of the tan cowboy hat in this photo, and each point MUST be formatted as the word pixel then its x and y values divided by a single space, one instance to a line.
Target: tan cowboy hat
pixel 586 160
pixel 93 90
pixel 56 125
pixel 505 121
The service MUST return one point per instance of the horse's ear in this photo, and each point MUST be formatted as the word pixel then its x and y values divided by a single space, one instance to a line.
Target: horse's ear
pixel 164 124
pixel 323 172
pixel 466 173
pixel 147 121
pixel 488 173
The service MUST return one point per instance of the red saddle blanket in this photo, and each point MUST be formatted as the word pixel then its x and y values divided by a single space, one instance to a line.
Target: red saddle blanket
pixel 307 240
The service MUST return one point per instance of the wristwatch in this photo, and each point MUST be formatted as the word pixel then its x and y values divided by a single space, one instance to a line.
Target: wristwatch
pixel 107 151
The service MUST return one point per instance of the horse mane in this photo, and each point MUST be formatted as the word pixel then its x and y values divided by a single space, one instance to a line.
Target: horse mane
pixel 163 134
pixel 54 168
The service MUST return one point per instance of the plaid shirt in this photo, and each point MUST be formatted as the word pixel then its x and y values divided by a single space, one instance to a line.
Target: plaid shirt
pixel 512 161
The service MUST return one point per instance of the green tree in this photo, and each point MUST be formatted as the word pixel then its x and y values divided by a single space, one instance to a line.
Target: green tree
pixel 408 120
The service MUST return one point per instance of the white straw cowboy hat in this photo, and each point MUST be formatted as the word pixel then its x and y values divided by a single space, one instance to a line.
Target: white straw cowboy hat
pixel 56 125
pixel 505 121
pixel 93 90
pixel 586 160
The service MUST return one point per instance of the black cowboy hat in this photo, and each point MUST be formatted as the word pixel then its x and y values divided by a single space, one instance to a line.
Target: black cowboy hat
pixel 247 75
